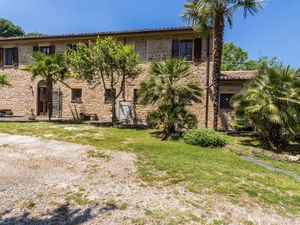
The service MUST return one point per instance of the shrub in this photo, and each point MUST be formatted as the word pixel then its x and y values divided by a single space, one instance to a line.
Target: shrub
pixel 170 87
pixel 271 103
pixel 205 138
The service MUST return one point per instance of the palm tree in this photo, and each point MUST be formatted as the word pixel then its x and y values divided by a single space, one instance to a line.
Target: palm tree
pixel 3 80
pixel 169 88
pixel 210 15
pixel 52 68
pixel 271 102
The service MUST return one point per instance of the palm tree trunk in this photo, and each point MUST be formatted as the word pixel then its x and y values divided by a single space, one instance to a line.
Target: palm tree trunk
pixel 276 140
pixel 49 89
pixel 218 49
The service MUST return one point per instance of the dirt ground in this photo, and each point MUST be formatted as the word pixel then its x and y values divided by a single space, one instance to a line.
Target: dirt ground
pixel 51 182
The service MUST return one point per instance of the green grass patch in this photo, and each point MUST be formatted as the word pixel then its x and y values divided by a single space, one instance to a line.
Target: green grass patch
pixel 291 167
pixel 29 204
pixel 4 146
pixel 209 170
pixel 111 203
pixel 78 197
pixel 98 154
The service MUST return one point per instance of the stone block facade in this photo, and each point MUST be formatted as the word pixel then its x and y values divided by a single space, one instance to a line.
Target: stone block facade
pixel 22 96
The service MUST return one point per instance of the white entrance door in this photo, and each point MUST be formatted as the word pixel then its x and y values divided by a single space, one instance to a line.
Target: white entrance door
pixel 126 111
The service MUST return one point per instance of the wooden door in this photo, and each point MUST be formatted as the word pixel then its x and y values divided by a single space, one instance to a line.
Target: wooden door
pixel 42 101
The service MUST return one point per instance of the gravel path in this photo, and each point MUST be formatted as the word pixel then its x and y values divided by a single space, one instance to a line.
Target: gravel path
pixel 52 182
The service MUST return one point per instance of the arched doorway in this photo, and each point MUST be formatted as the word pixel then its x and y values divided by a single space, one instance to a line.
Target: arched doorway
pixel 42 106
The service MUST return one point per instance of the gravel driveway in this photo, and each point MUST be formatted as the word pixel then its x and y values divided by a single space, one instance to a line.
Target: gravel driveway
pixel 52 182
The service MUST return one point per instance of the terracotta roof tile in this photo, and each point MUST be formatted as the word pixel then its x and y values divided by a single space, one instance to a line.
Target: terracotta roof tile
pixel 237 75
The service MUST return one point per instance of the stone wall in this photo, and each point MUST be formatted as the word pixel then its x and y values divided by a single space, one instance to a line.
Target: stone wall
pixel 226 118
pixel 22 96
pixel 19 98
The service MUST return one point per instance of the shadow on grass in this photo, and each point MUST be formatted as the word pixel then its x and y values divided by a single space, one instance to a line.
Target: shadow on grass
pixel 101 124
pixel 61 215
pixel 252 139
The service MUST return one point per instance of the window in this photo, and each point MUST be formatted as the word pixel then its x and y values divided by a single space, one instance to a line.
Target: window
pixel 108 94
pixel 141 49
pixel 45 50
pixel 186 49
pixel 8 54
pixel 76 95
pixel 72 46
pixel 135 96
pixel 187 102
pixel 225 101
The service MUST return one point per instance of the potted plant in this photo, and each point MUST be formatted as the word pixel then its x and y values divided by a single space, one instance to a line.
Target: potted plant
pixel 31 115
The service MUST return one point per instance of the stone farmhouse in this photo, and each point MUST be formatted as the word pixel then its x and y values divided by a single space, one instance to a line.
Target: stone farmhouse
pixel 82 101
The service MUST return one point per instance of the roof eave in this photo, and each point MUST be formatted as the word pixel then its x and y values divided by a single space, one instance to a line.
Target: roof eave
pixel 120 34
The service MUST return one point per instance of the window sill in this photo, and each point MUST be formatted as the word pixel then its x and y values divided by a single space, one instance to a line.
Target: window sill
pixel 8 66
pixel 226 108
pixel 77 102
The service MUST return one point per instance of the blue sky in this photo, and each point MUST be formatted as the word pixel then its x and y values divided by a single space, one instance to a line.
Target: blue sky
pixel 273 32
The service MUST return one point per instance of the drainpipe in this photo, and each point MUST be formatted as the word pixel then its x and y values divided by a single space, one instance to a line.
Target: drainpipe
pixel 123 81
pixel 207 79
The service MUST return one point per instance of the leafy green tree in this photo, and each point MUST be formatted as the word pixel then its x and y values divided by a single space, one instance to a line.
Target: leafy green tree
pixel 169 87
pixel 52 68
pixel 233 57
pixel 8 29
pixel 261 62
pixel 3 80
pixel 271 102
pixel 211 15
pixel 34 34
pixel 107 62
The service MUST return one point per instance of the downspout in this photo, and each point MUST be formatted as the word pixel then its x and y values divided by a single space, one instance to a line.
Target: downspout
pixel 123 80
pixel 207 79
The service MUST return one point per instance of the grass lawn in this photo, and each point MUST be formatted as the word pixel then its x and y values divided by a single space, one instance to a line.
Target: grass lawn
pixel 201 170
pixel 249 142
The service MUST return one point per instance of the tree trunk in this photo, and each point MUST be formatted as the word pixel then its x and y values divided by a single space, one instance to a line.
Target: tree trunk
pixel 218 49
pixel 276 140
pixel 49 89
pixel 123 86
pixel 114 118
